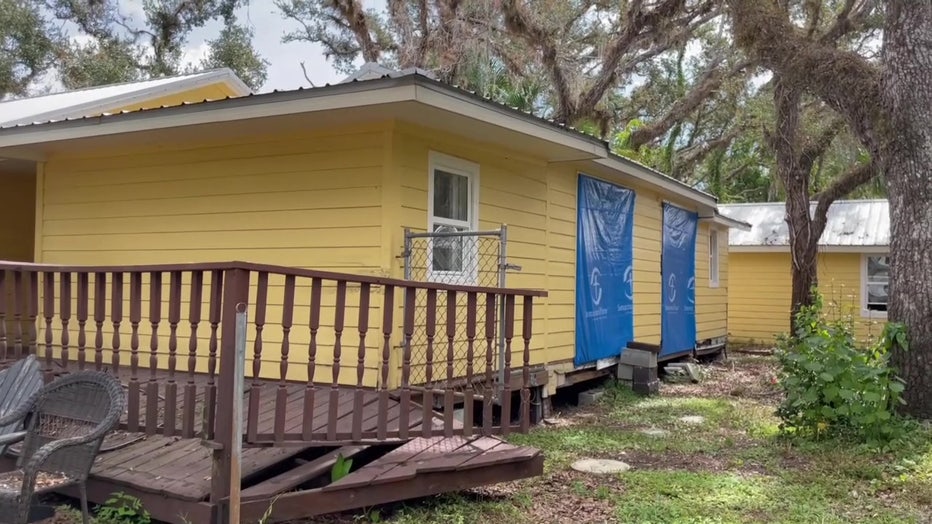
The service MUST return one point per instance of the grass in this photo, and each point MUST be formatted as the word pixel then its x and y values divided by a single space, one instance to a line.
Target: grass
pixel 734 467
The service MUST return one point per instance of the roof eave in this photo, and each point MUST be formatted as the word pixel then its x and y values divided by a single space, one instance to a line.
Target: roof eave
pixel 659 180
pixel 730 223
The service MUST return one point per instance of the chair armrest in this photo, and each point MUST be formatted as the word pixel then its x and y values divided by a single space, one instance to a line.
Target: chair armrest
pixel 31 468
pixel 17 414
pixel 12 438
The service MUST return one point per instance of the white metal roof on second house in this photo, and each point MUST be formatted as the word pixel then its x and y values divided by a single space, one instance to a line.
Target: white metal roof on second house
pixel 852 224
pixel 94 100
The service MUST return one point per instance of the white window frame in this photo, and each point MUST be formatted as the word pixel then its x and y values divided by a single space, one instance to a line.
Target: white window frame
pixel 715 259
pixel 470 170
pixel 865 312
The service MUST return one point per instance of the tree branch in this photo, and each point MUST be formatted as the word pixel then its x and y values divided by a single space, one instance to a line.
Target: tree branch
pixel 843 80
pixel 841 186
pixel 710 81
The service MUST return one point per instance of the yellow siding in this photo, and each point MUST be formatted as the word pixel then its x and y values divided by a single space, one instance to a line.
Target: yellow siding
pixel 711 302
pixel 214 91
pixel 760 293
pixel 17 216
pixel 309 200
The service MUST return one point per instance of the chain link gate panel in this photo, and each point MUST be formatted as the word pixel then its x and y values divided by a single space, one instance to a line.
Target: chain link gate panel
pixel 464 258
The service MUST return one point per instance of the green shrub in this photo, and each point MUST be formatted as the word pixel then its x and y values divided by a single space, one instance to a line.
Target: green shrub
pixel 836 388
pixel 122 509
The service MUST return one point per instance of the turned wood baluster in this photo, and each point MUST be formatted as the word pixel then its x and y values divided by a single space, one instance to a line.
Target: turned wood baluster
pixel 338 324
pixel 83 287
pixel 19 307
pixel 526 332
pixel 135 317
pixel 431 332
pixel 65 315
pixel 281 396
pixel 255 391
pixel 171 388
pixel 307 426
pixel 469 393
pixel 3 315
pixel 388 317
pixel 489 389
pixel 152 388
pixel 404 420
pixel 363 325
pixel 48 312
pixel 451 355
pixel 100 312
pixel 116 314
pixel 210 394
pixel 190 389
pixel 33 338
pixel 509 328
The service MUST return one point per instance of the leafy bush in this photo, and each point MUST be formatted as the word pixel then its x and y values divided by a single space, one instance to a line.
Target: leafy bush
pixel 834 387
pixel 122 509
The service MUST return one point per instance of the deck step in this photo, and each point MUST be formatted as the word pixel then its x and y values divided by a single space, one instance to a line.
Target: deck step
pixel 299 475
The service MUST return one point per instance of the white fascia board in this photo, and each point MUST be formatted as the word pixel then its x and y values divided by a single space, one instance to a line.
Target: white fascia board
pixel 589 147
pixel 729 223
pixel 822 249
pixel 662 182
pixel 181 116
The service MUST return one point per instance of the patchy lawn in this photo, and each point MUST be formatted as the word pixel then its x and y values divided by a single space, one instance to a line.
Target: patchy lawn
pixel 731 468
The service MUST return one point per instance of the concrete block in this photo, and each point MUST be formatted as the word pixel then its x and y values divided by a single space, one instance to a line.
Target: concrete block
pixel 588 398
pixel 624 372
pixel 638 357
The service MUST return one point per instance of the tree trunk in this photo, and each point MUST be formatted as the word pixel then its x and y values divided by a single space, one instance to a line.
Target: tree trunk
pixel 907 98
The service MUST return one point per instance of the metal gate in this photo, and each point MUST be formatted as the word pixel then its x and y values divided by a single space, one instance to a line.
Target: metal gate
pixel 463 258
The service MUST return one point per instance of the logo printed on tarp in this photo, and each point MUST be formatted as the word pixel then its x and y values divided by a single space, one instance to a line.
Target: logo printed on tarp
pixel 596 287
pixel 604 274
pixel 678 267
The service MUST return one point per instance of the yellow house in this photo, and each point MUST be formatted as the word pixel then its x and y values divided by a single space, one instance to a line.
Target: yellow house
pixel 852 262
pixel 17 175
pixel 352 177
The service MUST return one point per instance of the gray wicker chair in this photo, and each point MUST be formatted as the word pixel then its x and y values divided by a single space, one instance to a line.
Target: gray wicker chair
pixel 67 422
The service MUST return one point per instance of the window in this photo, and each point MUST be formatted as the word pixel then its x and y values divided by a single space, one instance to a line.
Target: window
pixel 876 281
pixel 453 188
pixel 713 258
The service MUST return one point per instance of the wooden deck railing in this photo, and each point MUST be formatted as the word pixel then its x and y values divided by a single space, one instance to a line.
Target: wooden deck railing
pixel 329 354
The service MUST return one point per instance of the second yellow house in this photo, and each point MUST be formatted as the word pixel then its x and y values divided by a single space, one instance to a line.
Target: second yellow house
pixel 852 260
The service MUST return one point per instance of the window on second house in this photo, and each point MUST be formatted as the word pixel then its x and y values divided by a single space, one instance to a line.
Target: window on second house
pixel 713 258
pixel 877 279
pixel 452 210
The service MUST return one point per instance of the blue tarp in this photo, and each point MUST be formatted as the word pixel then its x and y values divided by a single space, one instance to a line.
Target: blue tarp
pixel 678 270
pixel 604 277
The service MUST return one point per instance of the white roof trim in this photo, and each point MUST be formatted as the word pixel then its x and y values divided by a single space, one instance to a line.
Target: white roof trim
pixel 822 249
pixel 730 223
pixel 130 96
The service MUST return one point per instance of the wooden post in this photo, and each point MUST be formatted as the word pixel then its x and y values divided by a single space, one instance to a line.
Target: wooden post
pixel 237 433
pixel 235 291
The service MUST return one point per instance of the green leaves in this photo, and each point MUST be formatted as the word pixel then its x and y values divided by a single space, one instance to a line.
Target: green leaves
pixel 834 387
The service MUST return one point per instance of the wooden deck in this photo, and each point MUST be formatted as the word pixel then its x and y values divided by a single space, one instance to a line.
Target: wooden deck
pixel 172 475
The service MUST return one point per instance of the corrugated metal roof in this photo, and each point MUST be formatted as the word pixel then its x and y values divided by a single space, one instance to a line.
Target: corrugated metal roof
pixel 368 77
pixel 94 100
pixel 851 223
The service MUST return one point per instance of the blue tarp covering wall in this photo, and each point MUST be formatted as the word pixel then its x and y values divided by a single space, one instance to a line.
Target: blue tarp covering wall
pixel 604 278
pixel 678 269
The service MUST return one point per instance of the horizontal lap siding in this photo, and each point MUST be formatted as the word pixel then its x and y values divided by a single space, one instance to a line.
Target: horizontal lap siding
pixel 17 212
pixel 511 191
pixel 760 294
pixel 311 201
pixel 711 302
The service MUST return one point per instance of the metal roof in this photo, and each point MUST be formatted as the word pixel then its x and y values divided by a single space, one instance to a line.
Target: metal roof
pixel 100 99
pixel 367 77
pixel 851 224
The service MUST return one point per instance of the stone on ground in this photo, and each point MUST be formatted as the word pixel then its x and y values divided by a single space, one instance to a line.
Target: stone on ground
pixel 600 466
pixel 655 432
pixel 692 419
pixel 588 398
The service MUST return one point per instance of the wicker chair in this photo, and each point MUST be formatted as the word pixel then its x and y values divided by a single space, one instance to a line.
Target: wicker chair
pixel 67 422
